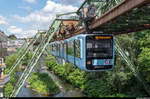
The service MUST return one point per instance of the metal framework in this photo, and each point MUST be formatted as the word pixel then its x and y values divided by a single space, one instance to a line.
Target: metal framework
pixel 117 20
pixel 111 19
pixel 37 53
pixel 25 49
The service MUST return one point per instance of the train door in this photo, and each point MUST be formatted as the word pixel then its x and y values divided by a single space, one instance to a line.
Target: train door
pixel 59 49
pixel 70 51
pixel 65 51
pixel 74 52
pixel 1 49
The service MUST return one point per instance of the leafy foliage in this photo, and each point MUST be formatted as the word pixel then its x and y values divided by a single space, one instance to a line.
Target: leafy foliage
pixel 10 60
pixel 27 58
pixel 76 78
pixel 43 83
pixel 144 54
pixel 120 82
pixel 13 37
pixel 8 89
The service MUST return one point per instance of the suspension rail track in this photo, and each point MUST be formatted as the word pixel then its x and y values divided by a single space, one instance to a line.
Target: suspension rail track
pixel 127 9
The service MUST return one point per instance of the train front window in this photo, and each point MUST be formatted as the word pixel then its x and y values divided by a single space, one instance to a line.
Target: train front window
pixel 99 48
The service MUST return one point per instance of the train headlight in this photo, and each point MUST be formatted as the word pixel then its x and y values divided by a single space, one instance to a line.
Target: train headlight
pixel 89 62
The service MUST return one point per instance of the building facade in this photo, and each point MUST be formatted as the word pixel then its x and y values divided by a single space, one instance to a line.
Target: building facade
pixel 13 45
pixel 3 45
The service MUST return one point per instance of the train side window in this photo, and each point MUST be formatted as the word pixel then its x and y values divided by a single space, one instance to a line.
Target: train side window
pixel 77 48
pixel 57 50
pixel 54 47
pixel 70 49
pixel 65 48
pixel 51 47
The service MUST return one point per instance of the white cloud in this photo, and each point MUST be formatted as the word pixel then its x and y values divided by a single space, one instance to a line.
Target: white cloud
pixel 29 33
pixel 20 33
pixel 3 20
pixel 58 8
pixel 30 1
pixel 33 17
pixel 70 2
pixel 41 19
pixel 46 14
pixel 25 8
pixel 14 29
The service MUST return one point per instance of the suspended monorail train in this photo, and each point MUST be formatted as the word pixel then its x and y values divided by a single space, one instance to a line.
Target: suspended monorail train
pixel 88 52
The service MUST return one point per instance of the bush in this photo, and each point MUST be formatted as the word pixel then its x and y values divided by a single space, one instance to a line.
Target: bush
pixel 9 61
pixel 144 63
pixel 27 58
pixel 8 89
pixel 43 83
pixel 76 78
pixel 96 88
pixel 115 83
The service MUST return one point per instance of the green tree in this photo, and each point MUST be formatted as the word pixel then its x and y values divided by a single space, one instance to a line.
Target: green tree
pixel 13 37
pixel 9 61
pixel 27 58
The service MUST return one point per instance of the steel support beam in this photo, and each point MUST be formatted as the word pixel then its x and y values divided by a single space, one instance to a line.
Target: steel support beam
pixel 122 8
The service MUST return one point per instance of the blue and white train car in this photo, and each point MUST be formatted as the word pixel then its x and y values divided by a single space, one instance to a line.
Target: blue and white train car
pixel 88 52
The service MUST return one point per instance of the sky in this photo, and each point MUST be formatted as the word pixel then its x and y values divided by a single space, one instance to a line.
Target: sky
pixel 24 17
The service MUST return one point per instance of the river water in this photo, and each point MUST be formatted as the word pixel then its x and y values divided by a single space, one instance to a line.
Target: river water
pixel 26 92
pixel 66 90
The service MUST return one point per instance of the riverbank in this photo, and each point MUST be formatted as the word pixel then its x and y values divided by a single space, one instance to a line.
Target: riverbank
pixel 66 89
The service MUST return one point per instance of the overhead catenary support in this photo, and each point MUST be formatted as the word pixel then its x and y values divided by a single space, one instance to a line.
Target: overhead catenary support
pixel 22 54
pixel 37 54
pixel 102 20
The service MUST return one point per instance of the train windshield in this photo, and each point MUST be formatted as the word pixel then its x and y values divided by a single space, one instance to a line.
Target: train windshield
pixel 99 48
